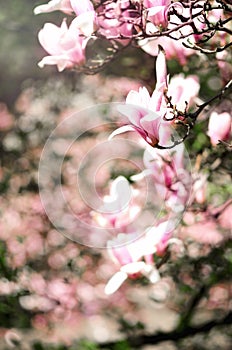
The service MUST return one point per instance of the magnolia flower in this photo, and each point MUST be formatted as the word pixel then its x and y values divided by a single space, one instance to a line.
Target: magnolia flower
pixel 157 11
pixel 65 45
pixel 183 90
pixel 145 112
pixel 171 179
pixel 219 127
pixel 82 6
pixel 54 5
pixel 119 208
pixel 86 19
pixel 116 20
pixel 134 256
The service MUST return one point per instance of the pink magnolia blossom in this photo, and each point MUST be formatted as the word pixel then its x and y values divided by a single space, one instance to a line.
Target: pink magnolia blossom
pixel 54 5
pixel 219 127
pixel 65 45
pixel 115 21
pixel 151 116
pixel 145 112
pixel 171 179
pixel 82 6
pixel 157 11
pixel 134 256
pixel 86 19
pixel 183 90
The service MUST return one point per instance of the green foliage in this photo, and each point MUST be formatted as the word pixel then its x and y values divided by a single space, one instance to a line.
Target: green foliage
pixel 12 314
pixel 5 270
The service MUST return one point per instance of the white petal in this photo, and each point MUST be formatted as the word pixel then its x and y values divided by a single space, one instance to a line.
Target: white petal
pixel 115 282
pixel 121 130
pixel 154 10
pixel 86 23
pixel 51 6
pixel 133 267
pixel 154 276
pixel 60 61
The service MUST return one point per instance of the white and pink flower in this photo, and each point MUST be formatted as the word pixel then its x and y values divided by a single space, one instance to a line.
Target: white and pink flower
pixel 157 11
pixel 134 256
pixel 151 116
pixel 66 46
pixel 171 179
pixel 119 208
pixel 146 113
pixel 219 127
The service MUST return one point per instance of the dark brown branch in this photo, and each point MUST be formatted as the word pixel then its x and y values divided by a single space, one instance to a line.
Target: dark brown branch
pixel 207 51
pixel 227 89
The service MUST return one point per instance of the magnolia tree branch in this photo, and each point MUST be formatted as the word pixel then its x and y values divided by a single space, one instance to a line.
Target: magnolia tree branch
pixel 225 91
pixel 187 120
pixel 207 51
pixel 138 17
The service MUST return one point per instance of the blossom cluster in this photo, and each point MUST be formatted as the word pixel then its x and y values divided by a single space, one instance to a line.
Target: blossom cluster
pixel 177 26
pixel 164 29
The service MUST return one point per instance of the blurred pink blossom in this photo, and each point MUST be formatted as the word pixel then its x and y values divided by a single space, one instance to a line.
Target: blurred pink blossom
pixel 201 229
pixel 64 293
pixel 6 118
pixel 35 302
pixel 219 127
pixel 65 46
pixel 199 187
pixel 37 283
pixel 34 244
